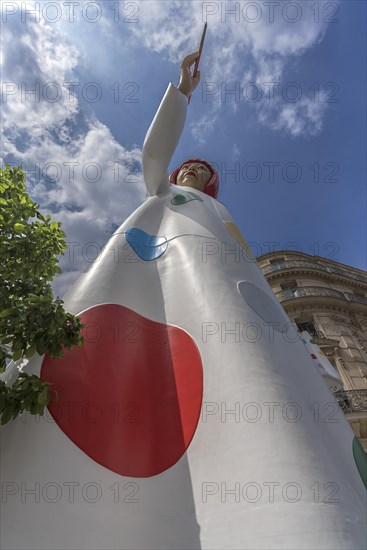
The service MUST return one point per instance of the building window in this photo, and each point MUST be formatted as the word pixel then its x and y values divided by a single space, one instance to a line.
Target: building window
pixel 276 264
pixel 277 261
pixel 288 285
pixel 309 326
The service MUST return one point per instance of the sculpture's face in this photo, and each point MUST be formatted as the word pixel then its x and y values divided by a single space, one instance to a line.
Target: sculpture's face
pixel 194 174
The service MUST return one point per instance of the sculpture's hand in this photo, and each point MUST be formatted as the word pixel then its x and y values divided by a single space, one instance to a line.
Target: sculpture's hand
pixel 188 83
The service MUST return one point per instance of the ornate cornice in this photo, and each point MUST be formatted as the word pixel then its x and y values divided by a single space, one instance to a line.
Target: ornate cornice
pixel 302 256
pixel 294 268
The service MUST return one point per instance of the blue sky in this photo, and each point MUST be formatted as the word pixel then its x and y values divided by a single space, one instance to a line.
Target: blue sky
pixel 311 132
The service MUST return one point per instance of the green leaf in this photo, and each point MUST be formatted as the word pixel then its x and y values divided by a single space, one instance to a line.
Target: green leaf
pixel 6 416
pixel 17 355
pixel 43 397
pixel 8 312
pixel 23 382
pixel 19 227
pixel 30 351
pixel 33 298
pixel 17 345
pixel 41 346
pixel 28 401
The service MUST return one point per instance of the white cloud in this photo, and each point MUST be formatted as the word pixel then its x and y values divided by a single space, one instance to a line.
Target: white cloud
pixel 304 117
pixel 265 47
pixel 202 127
pixel 89 181
pixel 235 152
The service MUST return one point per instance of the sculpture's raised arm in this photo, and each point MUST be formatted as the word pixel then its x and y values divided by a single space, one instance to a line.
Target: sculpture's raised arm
pixel 166 128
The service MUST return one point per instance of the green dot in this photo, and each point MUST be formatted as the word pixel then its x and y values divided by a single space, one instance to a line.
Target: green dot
pixel 182 198
pixel 360 458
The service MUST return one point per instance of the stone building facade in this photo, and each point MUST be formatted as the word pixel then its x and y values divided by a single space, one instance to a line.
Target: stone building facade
pixel 329 300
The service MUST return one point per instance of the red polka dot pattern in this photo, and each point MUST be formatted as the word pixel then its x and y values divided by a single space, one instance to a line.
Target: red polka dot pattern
pixel 130 398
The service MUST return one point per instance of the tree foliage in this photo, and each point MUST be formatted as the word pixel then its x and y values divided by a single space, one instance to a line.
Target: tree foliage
pixel 31 320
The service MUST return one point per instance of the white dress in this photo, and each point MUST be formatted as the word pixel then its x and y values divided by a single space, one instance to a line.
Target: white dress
pixel 225 436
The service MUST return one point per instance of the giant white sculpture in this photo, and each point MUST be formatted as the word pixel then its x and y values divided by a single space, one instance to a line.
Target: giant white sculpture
pixel 194 416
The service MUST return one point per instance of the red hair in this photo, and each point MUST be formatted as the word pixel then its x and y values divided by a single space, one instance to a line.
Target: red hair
pixel 211 188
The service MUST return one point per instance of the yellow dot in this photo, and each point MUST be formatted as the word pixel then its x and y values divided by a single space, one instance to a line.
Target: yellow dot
pixel 237 235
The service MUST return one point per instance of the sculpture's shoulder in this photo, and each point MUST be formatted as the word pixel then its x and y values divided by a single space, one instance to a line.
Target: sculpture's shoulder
pixel 221 209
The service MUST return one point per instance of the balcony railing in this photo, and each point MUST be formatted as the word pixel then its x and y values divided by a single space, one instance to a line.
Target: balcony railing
pixel 352 400
pixel 317 334
pixel 318 291
pixel 297 264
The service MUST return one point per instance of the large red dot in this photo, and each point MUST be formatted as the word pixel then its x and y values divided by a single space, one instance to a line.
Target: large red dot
pixel 130 398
